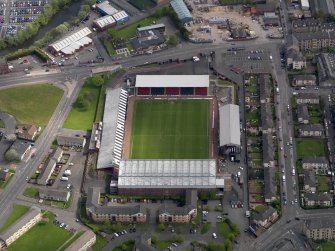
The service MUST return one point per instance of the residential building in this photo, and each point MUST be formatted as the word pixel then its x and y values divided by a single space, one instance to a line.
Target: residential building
pixel 304 80
pixel 267 150
pixel 311 25
pixel 52 194
pixel 326 69
pixel 49 167
pixel 266 217
pixel 4 175
pixel 319 229
pixel 295 60
pixel 269 184
pixel 321 200
pixel 266 119
pixel 171 213
pixel 84 242
pixel 264 88
pixel 309 181
pixel 27 132
pixel 316 41
pixel 147 40
pixel 181 10
pixel 125 213
pixel 302 114
pixel 21 147
pixel 71 140
pixel 307 98
pixel 314 130
pixel 3 66
pixel 21 226
pixel 317 164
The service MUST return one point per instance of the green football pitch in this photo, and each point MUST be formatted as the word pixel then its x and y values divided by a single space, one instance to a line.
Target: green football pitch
pixel 170 129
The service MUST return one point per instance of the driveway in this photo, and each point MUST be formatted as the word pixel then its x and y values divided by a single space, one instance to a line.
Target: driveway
pixel 10 122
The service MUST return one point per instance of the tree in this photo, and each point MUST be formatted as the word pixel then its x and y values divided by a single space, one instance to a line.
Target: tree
pixel 161 227
pixel 124 247
pixel 172 41
pixel 177 238
pixel 96 80
pixel 153 239
pixel 81 103
pixel 62 29
pixel 228 245
pixel 11 155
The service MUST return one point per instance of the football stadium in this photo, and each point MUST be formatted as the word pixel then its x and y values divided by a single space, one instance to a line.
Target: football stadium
pixel 164 139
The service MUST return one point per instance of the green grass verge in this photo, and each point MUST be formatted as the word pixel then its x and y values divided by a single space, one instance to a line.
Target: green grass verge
pixel 2 124
pixel 125 246
pixel 130 30
pixel 33 104
pixel 205 228
pixel 163 244
pixel 31 192
pixel 17 213
pixel 72 240
pixel 324 246
pixel 83 120
pixel 310 147
pixel 109 47
pixel 166 129
pixel 99 244
pixel 43 236
pixel 4 183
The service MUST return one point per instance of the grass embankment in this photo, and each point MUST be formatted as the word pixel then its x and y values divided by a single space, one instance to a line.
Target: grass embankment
pixel 17 213
pixel 33 104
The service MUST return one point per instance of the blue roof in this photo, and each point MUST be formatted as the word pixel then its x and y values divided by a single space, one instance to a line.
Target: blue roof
pixel 181 9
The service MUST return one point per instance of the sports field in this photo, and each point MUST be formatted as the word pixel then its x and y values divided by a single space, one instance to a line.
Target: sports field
pixel 170 129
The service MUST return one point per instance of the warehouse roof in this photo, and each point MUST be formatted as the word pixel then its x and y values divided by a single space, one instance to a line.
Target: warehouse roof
pixel 120 15
pixel 181 9
pixel 107 8
pixel 229 125
pixel 151 27
pixel 172 81
pixel 168 173
pixel 74 40
pixel 104 21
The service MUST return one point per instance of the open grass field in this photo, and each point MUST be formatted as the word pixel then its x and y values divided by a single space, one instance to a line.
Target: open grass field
pixel 43 236
pixel 324 246
pixel 310 147
pixel 33 104
pixel 170 129
pixel 17 213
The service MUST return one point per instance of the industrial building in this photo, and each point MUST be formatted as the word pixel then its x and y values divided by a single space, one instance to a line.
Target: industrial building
pixel 167 177
pixel 72 43
pixel 105 9
pixel 147 40
pixel 159 27
pixel 172 84
pixel 104 22
pixel 182 11
pixel 121 17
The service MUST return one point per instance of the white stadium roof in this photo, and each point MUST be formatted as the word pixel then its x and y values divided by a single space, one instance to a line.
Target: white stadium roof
pixel 168 174
pixel 229 125
pixel 104 21
pixel 69 40
pixel 172 81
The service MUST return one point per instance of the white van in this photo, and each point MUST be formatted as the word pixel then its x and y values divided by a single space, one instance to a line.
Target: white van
pixel 284 178
pixel 293 172
pixel 64 178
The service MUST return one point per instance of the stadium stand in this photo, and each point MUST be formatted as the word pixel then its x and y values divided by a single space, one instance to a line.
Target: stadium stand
pixel 113 128
pixel 157 91
pixel 172 91
pixel 187 91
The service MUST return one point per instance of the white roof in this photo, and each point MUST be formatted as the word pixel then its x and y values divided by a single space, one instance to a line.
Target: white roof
pixel 104 21
pixel 167 173
pixel 72 48
pixel 107 8
pixel 69 40
pixel 305 3
pixel 172 81
pixel 151 27
pixel 229 125
pixel 120 15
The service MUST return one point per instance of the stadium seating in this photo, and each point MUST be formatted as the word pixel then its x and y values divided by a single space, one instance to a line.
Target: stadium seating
pixel 121 119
